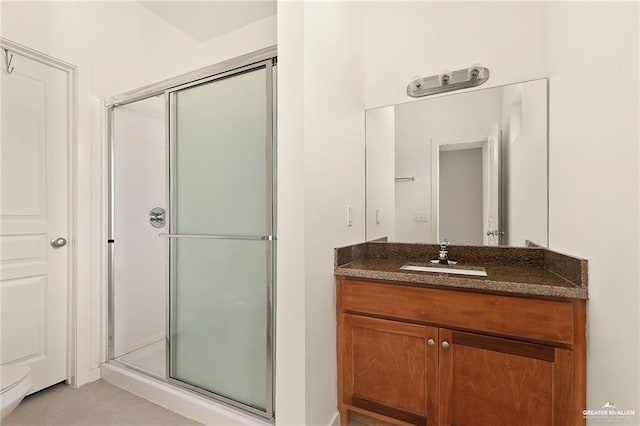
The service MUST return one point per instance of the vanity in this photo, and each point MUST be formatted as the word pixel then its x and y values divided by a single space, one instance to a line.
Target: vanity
pixel 497 339
pixel 441 348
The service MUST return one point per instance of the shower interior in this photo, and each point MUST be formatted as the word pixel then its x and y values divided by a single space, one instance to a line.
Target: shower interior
pixel 140 168
pixel 191 283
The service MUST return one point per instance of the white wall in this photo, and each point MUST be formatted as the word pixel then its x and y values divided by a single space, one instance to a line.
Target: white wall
pixel 404 39
pixel 290 333
pixel 255 36
pixel 334 179
pixel 380 173
pixel 594 165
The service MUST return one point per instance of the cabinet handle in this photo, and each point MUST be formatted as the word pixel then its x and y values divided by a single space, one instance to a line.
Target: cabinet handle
pixel 431 342
pixel 445 345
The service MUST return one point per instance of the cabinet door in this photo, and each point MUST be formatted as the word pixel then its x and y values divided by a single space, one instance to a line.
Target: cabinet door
pixel 492 381
pixel 390 368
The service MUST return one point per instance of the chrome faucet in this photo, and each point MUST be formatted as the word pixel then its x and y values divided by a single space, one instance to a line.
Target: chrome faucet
pixel 443 254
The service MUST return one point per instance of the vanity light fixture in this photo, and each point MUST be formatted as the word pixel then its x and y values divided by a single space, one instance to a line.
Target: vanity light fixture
pixel 446 81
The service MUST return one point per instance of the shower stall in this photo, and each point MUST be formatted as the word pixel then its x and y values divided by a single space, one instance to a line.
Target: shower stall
pixel 191 232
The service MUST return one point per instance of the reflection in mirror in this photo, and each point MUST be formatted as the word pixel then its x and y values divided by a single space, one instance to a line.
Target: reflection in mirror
pixel 470 168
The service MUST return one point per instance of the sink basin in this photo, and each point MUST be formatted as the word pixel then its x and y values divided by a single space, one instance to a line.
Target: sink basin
pixel 444 269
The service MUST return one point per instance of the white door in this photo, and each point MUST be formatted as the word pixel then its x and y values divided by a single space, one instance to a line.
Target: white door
pixel 492 189
pixel 33 212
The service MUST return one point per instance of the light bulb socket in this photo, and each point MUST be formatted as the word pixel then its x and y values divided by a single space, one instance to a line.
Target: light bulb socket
pixel 475 72
pixel 444 77
pixel 417 82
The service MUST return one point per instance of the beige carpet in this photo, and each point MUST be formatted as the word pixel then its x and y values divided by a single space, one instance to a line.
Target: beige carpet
pixel 98 403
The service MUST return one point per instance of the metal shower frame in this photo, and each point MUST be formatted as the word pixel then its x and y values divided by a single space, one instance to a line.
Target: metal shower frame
pixel 265 58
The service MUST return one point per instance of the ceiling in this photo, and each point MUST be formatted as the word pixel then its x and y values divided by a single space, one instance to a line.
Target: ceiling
pixel 205 20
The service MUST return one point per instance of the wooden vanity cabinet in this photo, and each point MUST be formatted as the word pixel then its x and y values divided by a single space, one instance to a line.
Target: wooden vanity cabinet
pixel 392 368
pixel 493 381
pixel 417 371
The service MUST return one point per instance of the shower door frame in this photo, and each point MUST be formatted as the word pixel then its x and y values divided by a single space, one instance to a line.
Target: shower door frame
pixel 266 58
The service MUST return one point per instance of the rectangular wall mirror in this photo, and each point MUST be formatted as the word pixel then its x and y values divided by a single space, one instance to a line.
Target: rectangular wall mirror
pixel 471 168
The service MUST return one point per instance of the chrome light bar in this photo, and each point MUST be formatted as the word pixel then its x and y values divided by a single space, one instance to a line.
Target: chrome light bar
pixel 447 81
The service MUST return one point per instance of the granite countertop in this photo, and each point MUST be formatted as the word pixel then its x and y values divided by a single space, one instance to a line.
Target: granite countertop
pixel 520 271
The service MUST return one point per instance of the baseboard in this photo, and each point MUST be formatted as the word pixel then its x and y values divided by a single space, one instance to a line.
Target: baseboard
pixel 177 400
pixel 335 420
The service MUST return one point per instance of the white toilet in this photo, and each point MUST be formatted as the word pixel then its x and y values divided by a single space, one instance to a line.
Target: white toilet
pixel 16 383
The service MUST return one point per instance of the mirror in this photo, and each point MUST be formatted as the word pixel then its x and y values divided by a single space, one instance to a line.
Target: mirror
pixel 468 167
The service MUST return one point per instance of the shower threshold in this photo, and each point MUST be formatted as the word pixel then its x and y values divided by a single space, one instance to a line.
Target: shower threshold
pixel 150 359
pixel 176 398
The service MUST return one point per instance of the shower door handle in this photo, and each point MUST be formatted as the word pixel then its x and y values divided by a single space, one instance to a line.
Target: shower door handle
pixel 221 237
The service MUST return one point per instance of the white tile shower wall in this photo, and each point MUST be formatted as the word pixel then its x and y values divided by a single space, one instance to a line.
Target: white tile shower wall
pixel 140 261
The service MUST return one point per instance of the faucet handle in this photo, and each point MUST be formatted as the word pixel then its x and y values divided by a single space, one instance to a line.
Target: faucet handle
pixel 444 244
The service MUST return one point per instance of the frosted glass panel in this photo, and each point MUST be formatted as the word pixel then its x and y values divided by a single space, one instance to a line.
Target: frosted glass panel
pixel 219 340
pixel 221 157
pixel 220 186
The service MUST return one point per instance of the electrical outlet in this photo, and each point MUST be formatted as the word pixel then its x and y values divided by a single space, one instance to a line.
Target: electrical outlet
pixel 421 217
pixel 377 216
pixel 349 216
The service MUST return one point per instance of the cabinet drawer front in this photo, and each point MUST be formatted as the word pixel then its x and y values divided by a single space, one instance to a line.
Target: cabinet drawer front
pixel 543 320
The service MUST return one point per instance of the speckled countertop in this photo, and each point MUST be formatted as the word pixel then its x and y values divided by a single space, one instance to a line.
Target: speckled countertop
pixel 521 271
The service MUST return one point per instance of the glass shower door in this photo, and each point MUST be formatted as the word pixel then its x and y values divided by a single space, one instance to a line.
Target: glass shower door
pixel 139 258
pixel 221 237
